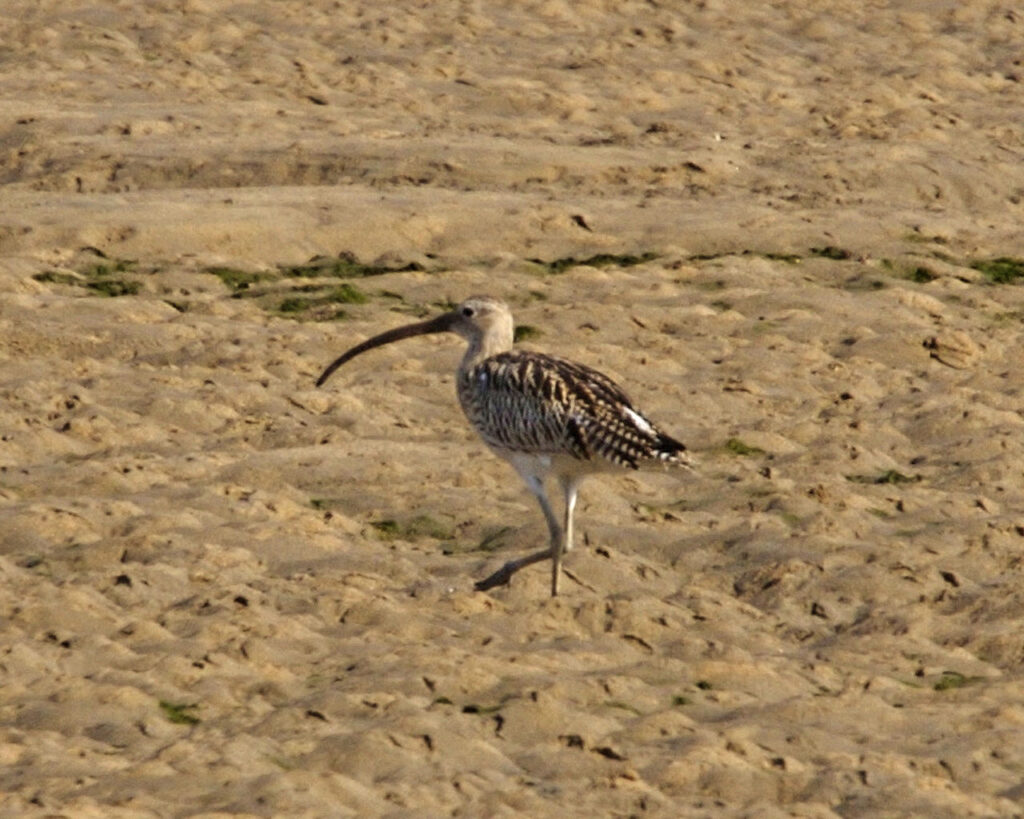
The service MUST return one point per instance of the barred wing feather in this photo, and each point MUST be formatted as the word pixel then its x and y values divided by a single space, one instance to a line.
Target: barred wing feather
pixel 530 402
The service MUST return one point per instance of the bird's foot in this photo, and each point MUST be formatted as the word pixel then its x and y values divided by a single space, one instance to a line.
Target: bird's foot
pixel 504 574
pixel 499 578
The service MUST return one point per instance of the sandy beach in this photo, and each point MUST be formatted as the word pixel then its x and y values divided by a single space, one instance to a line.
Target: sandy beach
pixel 793 236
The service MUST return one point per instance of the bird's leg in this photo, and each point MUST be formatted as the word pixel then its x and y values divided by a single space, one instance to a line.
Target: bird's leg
pixel 570 486
pixel 504 574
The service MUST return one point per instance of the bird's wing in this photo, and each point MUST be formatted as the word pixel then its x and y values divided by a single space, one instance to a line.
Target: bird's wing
pixel 530 402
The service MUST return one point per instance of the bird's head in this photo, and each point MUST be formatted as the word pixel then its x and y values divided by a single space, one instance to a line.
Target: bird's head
pixel 484 322
pixel 479 318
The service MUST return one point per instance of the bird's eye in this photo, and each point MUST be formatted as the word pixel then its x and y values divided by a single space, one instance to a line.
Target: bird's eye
pixel 467 311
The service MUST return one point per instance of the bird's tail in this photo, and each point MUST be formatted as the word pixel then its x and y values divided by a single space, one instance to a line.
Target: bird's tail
pixel 668 450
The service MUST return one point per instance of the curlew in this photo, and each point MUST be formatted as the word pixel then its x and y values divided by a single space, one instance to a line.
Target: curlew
pixel 548 417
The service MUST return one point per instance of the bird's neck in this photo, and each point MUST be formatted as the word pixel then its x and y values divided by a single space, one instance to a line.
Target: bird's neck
pixel 498 340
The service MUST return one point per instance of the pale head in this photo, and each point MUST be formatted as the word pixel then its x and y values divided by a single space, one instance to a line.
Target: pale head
pixel 485 323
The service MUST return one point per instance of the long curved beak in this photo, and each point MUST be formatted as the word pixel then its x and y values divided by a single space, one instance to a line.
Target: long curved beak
pixel 441 324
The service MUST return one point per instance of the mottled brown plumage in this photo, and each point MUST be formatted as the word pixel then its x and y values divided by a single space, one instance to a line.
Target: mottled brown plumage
pixel 541 404
pixel 547 416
